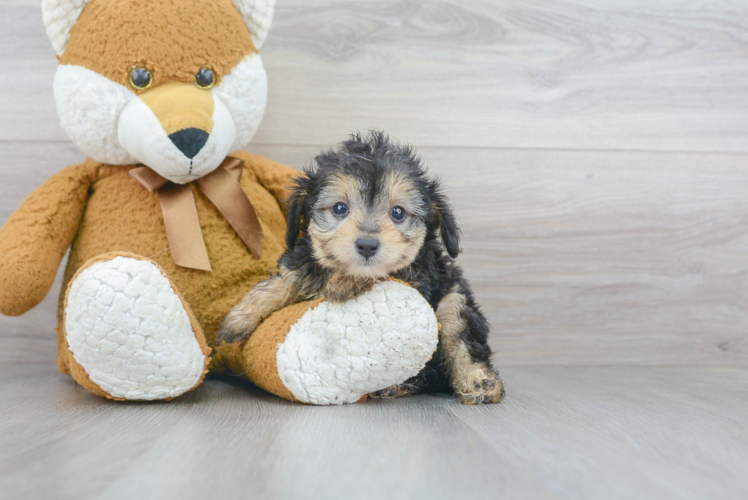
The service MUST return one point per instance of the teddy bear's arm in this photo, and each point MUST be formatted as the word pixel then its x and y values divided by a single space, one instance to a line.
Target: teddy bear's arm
pixel 36 237
pixel 274 176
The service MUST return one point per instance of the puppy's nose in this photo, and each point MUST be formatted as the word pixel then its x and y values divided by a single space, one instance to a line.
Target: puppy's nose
pixel 190 141
pixel 367 246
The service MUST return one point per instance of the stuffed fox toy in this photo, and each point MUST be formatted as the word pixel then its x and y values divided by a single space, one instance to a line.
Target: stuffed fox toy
pixel 168 222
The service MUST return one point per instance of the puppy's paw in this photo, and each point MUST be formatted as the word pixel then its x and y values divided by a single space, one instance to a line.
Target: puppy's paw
pixel 394 391
pixel 481 386
pixel 237 326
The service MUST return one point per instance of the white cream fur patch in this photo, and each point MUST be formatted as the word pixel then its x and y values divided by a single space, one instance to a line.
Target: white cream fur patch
pixel 59 16
pixel 89 106
pixel 244 91
pixel 128 329
pixel 141 134
pixel 110 124
pixel 258 15
pixel 338 352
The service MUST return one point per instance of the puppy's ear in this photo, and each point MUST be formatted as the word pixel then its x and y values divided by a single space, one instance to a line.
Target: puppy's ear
pixel 298 210
pixel 450 233
pixel 448 228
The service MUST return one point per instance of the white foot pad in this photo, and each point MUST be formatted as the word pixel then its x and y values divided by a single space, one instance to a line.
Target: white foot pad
pixel 128 329
pixel 337 353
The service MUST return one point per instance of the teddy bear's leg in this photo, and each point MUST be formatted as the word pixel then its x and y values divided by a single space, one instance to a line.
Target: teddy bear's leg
pixel 128 334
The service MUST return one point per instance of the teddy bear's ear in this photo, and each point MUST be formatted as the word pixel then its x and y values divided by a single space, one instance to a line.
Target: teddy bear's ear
pixel 59 16
pixel 258 14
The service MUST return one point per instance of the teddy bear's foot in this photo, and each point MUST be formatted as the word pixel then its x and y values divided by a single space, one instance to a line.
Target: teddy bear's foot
pixel 330 353
pixel 129 333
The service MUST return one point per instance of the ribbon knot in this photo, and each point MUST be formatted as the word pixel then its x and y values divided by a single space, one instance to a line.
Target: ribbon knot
pixel 177 202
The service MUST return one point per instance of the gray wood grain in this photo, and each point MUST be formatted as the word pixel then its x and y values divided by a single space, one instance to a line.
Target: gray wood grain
pixel 562 433
pixel 579 258
pixel 596 155
pixel 591 74
pixel 624 433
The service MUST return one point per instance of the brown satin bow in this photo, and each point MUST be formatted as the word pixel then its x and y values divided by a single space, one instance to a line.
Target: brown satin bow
pixel 183 231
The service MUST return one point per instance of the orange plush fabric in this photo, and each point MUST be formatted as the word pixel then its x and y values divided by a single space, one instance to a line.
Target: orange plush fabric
pixel 36 237
pixel 99 213
pixel 320 379
pixel 111 37
pixel 256 358
pixel 100 210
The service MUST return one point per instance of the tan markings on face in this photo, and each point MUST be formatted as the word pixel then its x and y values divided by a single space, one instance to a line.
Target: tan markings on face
pixel 341 188
pixel 174 39
pixel 406 237
pixel 181 105
pixel 403 192
pixel 334 239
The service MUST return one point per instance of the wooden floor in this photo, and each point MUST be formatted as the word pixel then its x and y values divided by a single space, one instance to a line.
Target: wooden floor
pixel 664 433
pixel 597 155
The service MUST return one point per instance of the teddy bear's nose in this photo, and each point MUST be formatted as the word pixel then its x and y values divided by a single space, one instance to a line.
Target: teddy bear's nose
pixel 190 141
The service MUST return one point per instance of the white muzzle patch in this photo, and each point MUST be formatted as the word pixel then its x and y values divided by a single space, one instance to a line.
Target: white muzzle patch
pixel 140 133
pixel 112 125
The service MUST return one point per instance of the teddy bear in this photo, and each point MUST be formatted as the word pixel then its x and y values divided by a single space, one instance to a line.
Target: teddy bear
pixel 169 222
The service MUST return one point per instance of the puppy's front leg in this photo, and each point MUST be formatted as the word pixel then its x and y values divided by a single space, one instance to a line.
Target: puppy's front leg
pixel 464 351
pixel 265 298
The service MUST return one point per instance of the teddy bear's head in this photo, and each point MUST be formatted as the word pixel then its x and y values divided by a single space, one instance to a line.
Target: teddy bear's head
pixel 174 84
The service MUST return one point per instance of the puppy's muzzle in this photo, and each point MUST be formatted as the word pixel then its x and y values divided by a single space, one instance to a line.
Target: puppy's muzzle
pixel 367 246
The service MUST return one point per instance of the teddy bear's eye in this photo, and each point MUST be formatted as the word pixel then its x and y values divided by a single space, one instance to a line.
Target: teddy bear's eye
pixel 205 78
pixel 140 78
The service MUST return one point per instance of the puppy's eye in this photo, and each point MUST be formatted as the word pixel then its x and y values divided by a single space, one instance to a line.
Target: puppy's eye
pixel 205 78
pixel 340 209
pixel 140 78
pixel 397 213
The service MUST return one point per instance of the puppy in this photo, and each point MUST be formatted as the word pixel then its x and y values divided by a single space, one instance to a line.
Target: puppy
pixel 368 211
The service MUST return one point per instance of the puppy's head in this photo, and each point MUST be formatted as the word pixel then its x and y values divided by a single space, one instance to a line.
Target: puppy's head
pixel 368 207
